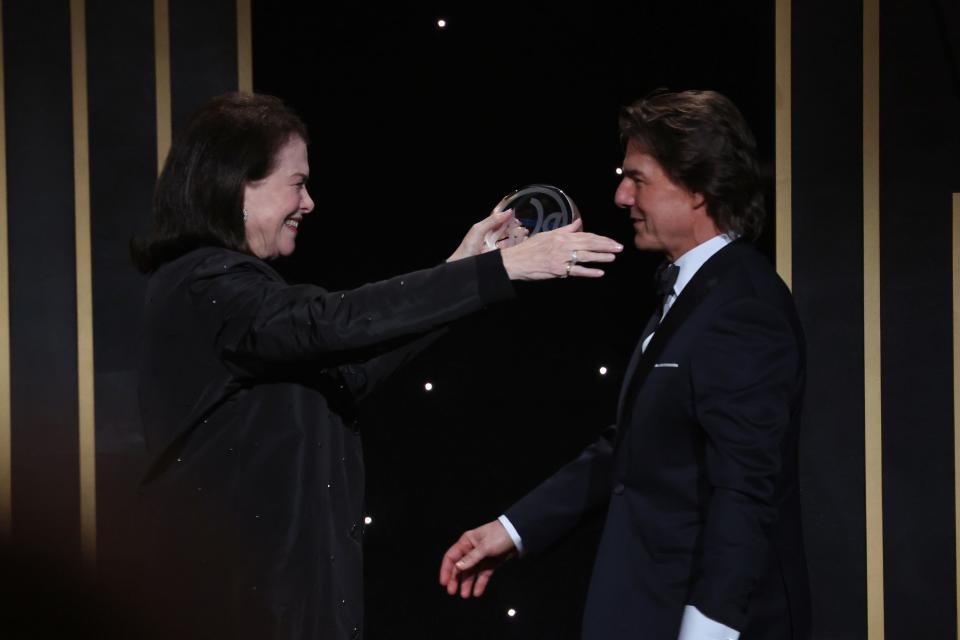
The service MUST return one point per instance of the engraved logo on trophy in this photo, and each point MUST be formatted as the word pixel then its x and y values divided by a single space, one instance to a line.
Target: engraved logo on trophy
pixel 540 207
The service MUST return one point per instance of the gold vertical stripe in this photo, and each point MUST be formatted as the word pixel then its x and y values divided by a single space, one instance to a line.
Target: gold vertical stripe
pixel 784 144
pixel 81 185
pixel 873 442
pixel 244 47
pixel 6 475
pixel 956 396
pixel 161 42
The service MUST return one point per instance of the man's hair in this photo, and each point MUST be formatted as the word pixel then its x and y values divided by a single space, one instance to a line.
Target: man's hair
pixel 230 141
pixel 703 144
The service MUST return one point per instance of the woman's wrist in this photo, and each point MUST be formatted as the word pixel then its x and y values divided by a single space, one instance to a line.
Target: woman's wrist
pixel 493 279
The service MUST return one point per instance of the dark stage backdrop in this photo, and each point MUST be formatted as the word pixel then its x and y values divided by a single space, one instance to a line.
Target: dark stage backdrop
pixel 417 131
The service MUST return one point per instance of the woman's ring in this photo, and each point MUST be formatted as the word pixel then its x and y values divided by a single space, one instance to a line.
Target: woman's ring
pixel 569 266
pixel 573 257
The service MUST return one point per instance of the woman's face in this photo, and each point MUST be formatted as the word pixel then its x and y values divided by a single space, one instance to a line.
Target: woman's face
pixel 275 205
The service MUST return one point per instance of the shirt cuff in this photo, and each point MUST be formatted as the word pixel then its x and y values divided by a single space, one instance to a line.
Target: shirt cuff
pixel 512 532
pixel 696 626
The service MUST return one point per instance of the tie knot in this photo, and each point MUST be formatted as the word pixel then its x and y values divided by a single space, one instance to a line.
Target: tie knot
pixel 665 278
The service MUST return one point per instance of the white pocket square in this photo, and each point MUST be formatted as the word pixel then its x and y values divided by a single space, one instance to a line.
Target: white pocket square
pixel 672 365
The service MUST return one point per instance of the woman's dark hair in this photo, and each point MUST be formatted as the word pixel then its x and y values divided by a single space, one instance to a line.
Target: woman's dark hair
pixel 703 143
pixel 231 140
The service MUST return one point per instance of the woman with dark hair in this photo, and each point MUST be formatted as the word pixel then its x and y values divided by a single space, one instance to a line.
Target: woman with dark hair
pixel 249 386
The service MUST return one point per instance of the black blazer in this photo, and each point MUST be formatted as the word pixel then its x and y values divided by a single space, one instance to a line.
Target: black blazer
pixel 700 472
pixel 248 391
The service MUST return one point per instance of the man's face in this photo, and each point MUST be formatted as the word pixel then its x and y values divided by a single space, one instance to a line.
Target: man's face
pixel 666 216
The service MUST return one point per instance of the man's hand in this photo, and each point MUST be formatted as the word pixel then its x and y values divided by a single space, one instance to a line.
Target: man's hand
pixel 469 563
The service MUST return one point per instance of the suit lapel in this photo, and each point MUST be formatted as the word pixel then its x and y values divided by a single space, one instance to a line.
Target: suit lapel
pixel 628 377
pixel 689 299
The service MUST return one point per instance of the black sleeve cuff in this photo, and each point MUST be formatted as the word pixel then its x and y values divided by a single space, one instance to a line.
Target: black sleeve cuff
pixel 493 282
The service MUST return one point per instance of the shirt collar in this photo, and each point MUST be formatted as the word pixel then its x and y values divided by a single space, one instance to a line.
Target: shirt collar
pixel 690 262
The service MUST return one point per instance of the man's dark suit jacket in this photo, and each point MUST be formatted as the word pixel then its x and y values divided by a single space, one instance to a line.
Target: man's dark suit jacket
pixel 700 472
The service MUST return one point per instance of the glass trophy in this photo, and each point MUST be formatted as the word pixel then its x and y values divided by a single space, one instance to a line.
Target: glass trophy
pixel 537 208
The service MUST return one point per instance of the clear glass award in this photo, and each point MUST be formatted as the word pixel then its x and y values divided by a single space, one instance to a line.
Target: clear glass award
pixel 537 208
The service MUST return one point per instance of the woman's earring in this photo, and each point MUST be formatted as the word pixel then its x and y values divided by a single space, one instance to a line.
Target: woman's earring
pixel 245 214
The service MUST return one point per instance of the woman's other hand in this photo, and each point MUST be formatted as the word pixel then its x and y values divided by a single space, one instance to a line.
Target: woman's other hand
pixel 559 253
pixel 496 231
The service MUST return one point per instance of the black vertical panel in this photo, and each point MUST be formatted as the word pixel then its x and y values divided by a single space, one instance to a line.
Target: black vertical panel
pixel 828 288
pixel 43 337
pixel 203 53
pixel 122 123
pixel 920 142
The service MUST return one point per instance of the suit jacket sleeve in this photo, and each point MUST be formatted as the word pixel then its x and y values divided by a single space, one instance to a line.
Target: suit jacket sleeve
pixel 563 500
pixel 264 322
pixel 747 377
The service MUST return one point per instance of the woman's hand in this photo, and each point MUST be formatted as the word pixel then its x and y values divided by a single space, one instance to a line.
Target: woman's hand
pixel 558 254
pixel 496 231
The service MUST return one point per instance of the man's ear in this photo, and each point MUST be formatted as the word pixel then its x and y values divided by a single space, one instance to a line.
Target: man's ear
pixel 698 200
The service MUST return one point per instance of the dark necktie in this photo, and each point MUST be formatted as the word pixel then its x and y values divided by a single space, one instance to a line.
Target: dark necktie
pixel 664 279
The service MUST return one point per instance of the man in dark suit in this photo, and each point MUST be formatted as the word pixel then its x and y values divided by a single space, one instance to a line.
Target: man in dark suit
pixel 702 538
